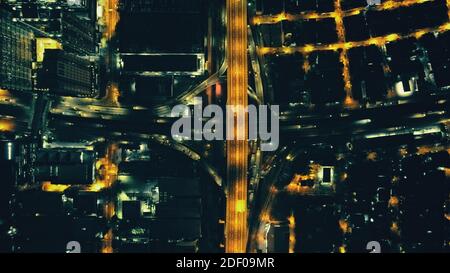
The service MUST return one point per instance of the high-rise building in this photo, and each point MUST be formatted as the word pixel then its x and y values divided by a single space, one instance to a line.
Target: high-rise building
pixel 158 58
pixel 16 54
pixel 78 34
pixel 67 166
pixel 68 75
pixel 278 238
pixel 178 26
pixel 84 8
pixel 71 22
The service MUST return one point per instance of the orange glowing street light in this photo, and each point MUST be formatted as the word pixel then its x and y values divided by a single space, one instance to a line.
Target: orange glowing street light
pixel 283 16
pixel 236 229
